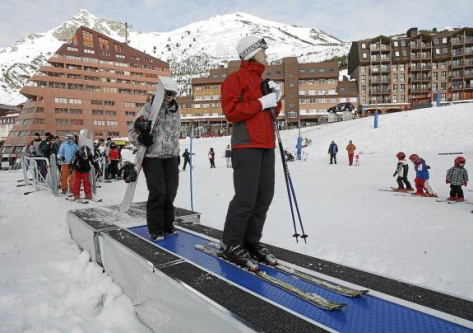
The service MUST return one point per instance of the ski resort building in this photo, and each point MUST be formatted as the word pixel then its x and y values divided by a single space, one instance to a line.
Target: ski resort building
pixel 309 89
pixel 92 82
pixel 413 69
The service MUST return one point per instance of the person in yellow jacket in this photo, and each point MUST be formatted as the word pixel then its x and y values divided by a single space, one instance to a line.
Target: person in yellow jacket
pixel 351 151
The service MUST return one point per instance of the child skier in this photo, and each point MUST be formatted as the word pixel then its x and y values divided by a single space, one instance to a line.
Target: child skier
pixel 114 158
pixel 456 177
pixel 81 165
pixel 422 176
pixel 401 171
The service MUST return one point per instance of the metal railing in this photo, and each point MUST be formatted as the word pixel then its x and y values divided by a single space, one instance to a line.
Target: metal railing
pixel 41 173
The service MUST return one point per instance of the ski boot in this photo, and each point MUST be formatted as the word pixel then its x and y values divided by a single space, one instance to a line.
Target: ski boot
pixel 451 199
pixel 157 236
pixel 240 256
pixel 259 252
pixel 460 199
pixel 170 229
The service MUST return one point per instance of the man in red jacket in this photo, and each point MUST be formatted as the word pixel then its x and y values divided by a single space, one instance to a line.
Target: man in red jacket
pixel 253 143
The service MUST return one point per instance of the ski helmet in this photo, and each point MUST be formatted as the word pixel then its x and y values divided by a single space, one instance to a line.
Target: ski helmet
pixel 400 155
pixel 248 46
pixel 460 160
pixel 414 157
pixel 169 84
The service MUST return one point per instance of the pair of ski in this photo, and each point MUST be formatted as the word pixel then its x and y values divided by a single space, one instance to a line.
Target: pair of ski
pixel 84 201
pixel 215 250
pixel 454 202
pixel 395 190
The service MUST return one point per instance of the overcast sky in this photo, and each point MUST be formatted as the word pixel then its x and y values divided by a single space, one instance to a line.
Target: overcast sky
pixel 347 20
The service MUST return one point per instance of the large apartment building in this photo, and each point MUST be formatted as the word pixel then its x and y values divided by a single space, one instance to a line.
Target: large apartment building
pixel 309 89
pixel 92 82
pixel 413 69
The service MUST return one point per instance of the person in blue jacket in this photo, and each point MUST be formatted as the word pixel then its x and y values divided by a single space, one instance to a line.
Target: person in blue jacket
pixel 422 177
pixel 333 150
pixel 66 153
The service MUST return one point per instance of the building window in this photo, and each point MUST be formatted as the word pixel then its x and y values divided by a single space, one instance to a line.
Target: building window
pixel 292 114
pixel 60 100
pixel 74 40
pixel 363 46
pixel 118 47
pixel 97 112
pixel 71 48
pixel 364 55
pixel 89 51
pixel 61 111
pixel 77 122
pixel 103 43
pixel 88 39
pixel 75 111
pixel 62 122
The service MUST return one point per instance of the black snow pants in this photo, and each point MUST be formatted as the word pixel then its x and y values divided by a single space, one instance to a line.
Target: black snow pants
pixel 162 180
pixel 333 157
pixel 253 180
pixel 403 180
pixel 456 191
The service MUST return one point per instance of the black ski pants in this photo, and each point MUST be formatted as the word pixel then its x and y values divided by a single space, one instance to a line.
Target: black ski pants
pixel 456 191
pixel 333 157
pixel 162 180
pixel 403 180
pixel 186 161
pixel 253 180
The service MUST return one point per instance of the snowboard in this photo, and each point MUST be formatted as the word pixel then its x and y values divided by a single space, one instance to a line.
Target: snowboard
pixel 141 151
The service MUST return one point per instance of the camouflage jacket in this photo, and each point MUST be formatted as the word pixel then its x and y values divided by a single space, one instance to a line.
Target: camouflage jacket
pixel 165 133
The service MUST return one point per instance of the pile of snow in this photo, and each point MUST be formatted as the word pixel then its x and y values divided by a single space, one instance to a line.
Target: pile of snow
pixel 47 283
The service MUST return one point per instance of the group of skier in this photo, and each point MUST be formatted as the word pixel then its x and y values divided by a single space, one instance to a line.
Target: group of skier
pixel 457 176
pixel 74 162
pixel 333 150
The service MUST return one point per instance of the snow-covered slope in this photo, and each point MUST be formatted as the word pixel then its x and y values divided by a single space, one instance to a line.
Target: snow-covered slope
pixel 48 285
pixel 191 50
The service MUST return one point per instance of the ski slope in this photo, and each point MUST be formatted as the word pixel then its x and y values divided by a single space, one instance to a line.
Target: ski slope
pixel 47 283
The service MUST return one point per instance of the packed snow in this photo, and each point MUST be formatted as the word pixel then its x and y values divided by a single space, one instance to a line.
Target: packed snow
pixel 48 285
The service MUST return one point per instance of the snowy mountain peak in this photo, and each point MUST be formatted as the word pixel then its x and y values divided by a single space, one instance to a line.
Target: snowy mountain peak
pixel 190 50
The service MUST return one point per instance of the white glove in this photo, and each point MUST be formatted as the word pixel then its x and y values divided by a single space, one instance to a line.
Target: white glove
pixel 268 101
pixel 276 89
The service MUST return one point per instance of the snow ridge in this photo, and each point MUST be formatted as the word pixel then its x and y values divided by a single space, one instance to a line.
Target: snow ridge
pixel 191 50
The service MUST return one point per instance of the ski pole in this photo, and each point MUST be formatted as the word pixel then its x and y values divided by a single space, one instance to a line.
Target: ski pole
pixel 265 88
pixel 304 235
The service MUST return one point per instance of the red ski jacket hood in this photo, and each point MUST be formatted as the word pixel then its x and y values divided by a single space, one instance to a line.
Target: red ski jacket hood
pixel 252 127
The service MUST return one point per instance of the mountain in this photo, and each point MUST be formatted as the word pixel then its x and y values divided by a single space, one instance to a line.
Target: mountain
pixel 191 50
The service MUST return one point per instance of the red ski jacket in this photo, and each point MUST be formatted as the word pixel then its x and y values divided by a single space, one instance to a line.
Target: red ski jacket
pixel 252 127
pixel 113 154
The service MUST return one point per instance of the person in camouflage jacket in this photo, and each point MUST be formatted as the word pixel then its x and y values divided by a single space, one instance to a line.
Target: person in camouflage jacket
pixel 161 162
